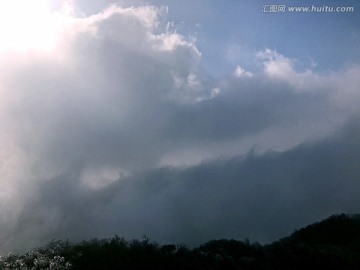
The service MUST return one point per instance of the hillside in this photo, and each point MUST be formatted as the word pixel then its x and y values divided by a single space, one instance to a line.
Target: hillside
pixel 333 243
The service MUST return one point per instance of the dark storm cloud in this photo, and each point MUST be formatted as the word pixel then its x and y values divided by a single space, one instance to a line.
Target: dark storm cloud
pixel 245 108
pixel 262 197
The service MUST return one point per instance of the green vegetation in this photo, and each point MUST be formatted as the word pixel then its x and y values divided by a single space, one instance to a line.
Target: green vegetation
pixel 331 244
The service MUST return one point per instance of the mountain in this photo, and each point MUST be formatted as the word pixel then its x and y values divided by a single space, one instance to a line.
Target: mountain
pixel 340 230
pixel 333 243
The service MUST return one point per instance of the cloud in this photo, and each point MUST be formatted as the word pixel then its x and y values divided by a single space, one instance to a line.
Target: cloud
pixel 263 197
pixel 279 67
pixel 118 129
pixel 240 72
pixel 95 101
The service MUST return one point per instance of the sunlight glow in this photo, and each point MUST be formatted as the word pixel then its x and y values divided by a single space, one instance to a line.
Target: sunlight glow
pixel 27 25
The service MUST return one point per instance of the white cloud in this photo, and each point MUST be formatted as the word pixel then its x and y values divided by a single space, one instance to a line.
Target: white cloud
pixel 339 87
pixel 240 72
pixel 279 67
pixel 275 64
pixel 98 178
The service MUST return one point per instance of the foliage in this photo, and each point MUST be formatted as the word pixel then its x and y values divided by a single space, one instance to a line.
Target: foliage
pixel 48 258
pixel 331 244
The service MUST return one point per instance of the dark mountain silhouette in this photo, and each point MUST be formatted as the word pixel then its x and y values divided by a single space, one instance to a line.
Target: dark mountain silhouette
pixel 333 243
pixel 340 230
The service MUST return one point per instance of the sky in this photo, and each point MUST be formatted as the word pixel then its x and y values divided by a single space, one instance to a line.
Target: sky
pixel 180 121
